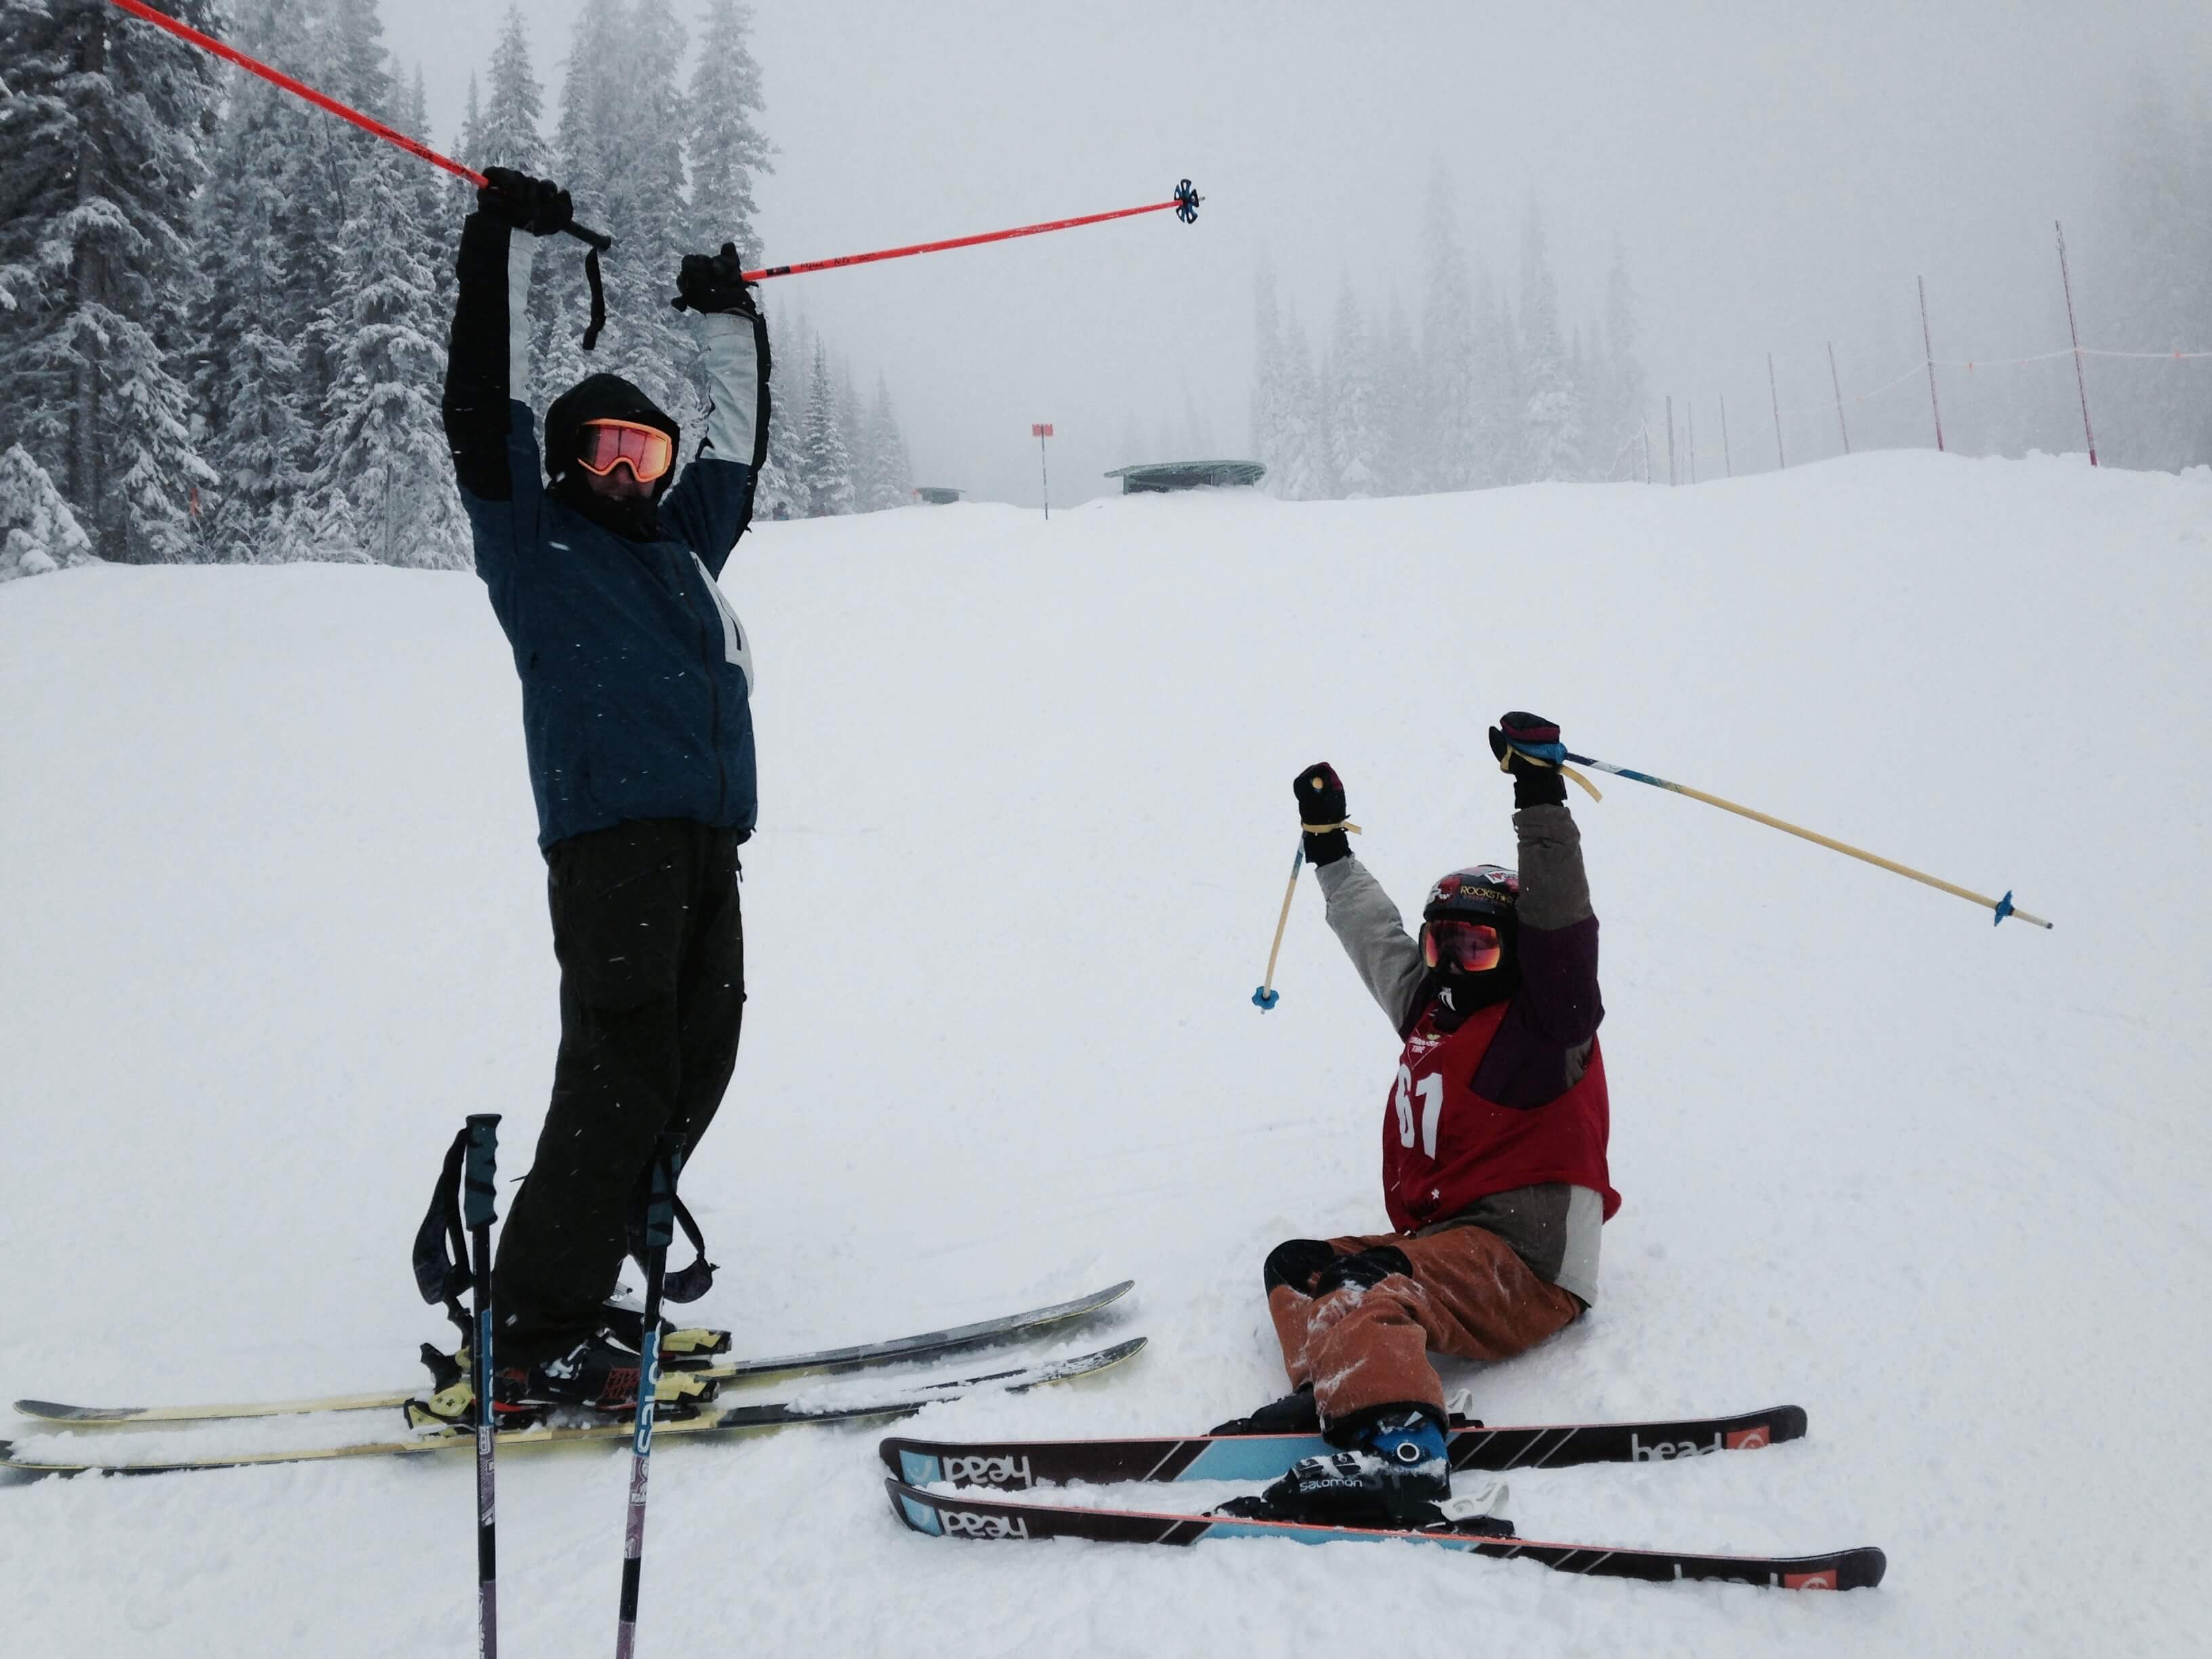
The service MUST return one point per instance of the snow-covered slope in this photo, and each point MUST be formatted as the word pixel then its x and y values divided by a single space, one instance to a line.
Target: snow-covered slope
pixel 273 921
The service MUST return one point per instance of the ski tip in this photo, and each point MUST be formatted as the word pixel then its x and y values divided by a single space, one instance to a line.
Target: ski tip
pixel 1864 1569
pixel 53 1410
pixel 1789 1423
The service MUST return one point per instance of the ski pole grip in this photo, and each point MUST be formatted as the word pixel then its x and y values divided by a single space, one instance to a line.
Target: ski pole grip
pixel 660 1204
pixel 478 1189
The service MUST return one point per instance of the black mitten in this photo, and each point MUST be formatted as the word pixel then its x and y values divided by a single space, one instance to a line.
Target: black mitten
pixel 1322 814
pixel 715 283
pixel 536 205
pixel 1535 783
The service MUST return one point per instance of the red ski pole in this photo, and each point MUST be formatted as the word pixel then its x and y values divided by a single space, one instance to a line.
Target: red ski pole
pixel 1185 203
pixel 597 241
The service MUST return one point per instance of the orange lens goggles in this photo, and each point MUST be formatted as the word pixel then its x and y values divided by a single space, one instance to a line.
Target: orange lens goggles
pixel 1472 947
pixel 607 444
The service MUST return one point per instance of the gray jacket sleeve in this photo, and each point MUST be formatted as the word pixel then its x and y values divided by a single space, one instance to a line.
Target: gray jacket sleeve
pixel 1366 923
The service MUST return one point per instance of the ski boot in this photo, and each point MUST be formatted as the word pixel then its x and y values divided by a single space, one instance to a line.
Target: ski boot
pixel 1395 1474
pixel 596 1375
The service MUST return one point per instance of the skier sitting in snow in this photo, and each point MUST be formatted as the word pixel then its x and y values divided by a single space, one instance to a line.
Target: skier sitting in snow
pixel 1493 1151
pixel 638 728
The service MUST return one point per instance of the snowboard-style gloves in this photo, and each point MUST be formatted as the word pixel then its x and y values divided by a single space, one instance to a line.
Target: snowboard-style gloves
pixel 1534 784
pixel 1322 814
pixel 714 283
pixel 536 205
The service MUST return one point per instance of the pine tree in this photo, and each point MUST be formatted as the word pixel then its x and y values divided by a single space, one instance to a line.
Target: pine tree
pixel 247 377
pixel 781 492
pixel 510 133
pixel 619 152
pixel 1552 423
pixel 1355 445
pixel 727 149
pixel 382 445
pixel 1302 473
pixel 382 488
pixel 1447 348
pixel 827 469
pixel 586 160
pixel 1270 430
pixel 472 125
pixel 38 531
pixel 105 127
pixel 1620 449
pixel 1398 404
pixel 889 475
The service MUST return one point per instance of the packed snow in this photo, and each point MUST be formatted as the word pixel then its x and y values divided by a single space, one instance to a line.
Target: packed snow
pixel 274 923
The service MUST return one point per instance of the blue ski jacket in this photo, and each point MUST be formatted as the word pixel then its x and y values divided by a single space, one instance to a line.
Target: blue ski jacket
pixel 637 675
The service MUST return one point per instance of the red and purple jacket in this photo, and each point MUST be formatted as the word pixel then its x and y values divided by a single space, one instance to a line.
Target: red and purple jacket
pixel 1498 1119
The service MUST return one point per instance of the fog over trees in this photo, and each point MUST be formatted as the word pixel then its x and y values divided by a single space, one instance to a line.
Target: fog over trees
pixel 222 312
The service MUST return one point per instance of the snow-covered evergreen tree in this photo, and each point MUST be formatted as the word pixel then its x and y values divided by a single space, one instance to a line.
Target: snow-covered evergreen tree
pixel 1398 403
pixel 1355 437
pixel 511 130
pixel 1552 422
pixel 728 151
pixel 586 162
pixel 38 531
pixel 1301 467
pixel 1270 417
pixel 247 383
pixel 826 469
pixel 381 445
pixel 1447 348
pixel 619 152
pixel 104 130
pixel 1619 450
pixel 781 492
pixel 382 487
pixel 888 478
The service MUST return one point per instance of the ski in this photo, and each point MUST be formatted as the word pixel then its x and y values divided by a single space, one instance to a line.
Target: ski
pixel 893 1401
pixel 948 1516
pixel 922 1345
pixel 1018 1465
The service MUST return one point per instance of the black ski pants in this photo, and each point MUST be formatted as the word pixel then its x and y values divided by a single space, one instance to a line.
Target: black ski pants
pixel 653 994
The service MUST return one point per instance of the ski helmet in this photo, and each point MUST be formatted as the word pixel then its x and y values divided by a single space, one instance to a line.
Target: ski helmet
pixel 1468 924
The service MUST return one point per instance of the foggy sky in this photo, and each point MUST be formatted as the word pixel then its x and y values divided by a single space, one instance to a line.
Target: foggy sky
pixel 1778 175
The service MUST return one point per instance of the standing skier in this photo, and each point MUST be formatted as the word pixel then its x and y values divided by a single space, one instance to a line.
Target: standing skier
pixel 637 724
pixel 1493 1151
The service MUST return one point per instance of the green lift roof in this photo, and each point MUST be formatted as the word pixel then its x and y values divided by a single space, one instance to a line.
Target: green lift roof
pixel 1161 476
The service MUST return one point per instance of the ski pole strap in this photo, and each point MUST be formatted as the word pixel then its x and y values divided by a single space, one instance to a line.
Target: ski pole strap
pixel 596 242
pixel 441 1247
pixel 650 1227
pixel 1324 829
pixel 1546 754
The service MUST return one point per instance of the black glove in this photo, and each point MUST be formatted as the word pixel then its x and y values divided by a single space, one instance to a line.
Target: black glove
pixel 1534 784
pixel 1320 800
pixel 715 283
pixel 536 205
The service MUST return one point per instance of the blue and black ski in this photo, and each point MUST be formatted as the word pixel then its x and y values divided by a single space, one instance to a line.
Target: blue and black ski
pixel 956 1514
pixel 1017 1465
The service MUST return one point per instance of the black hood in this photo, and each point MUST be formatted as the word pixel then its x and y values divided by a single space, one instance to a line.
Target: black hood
pixel 605 398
